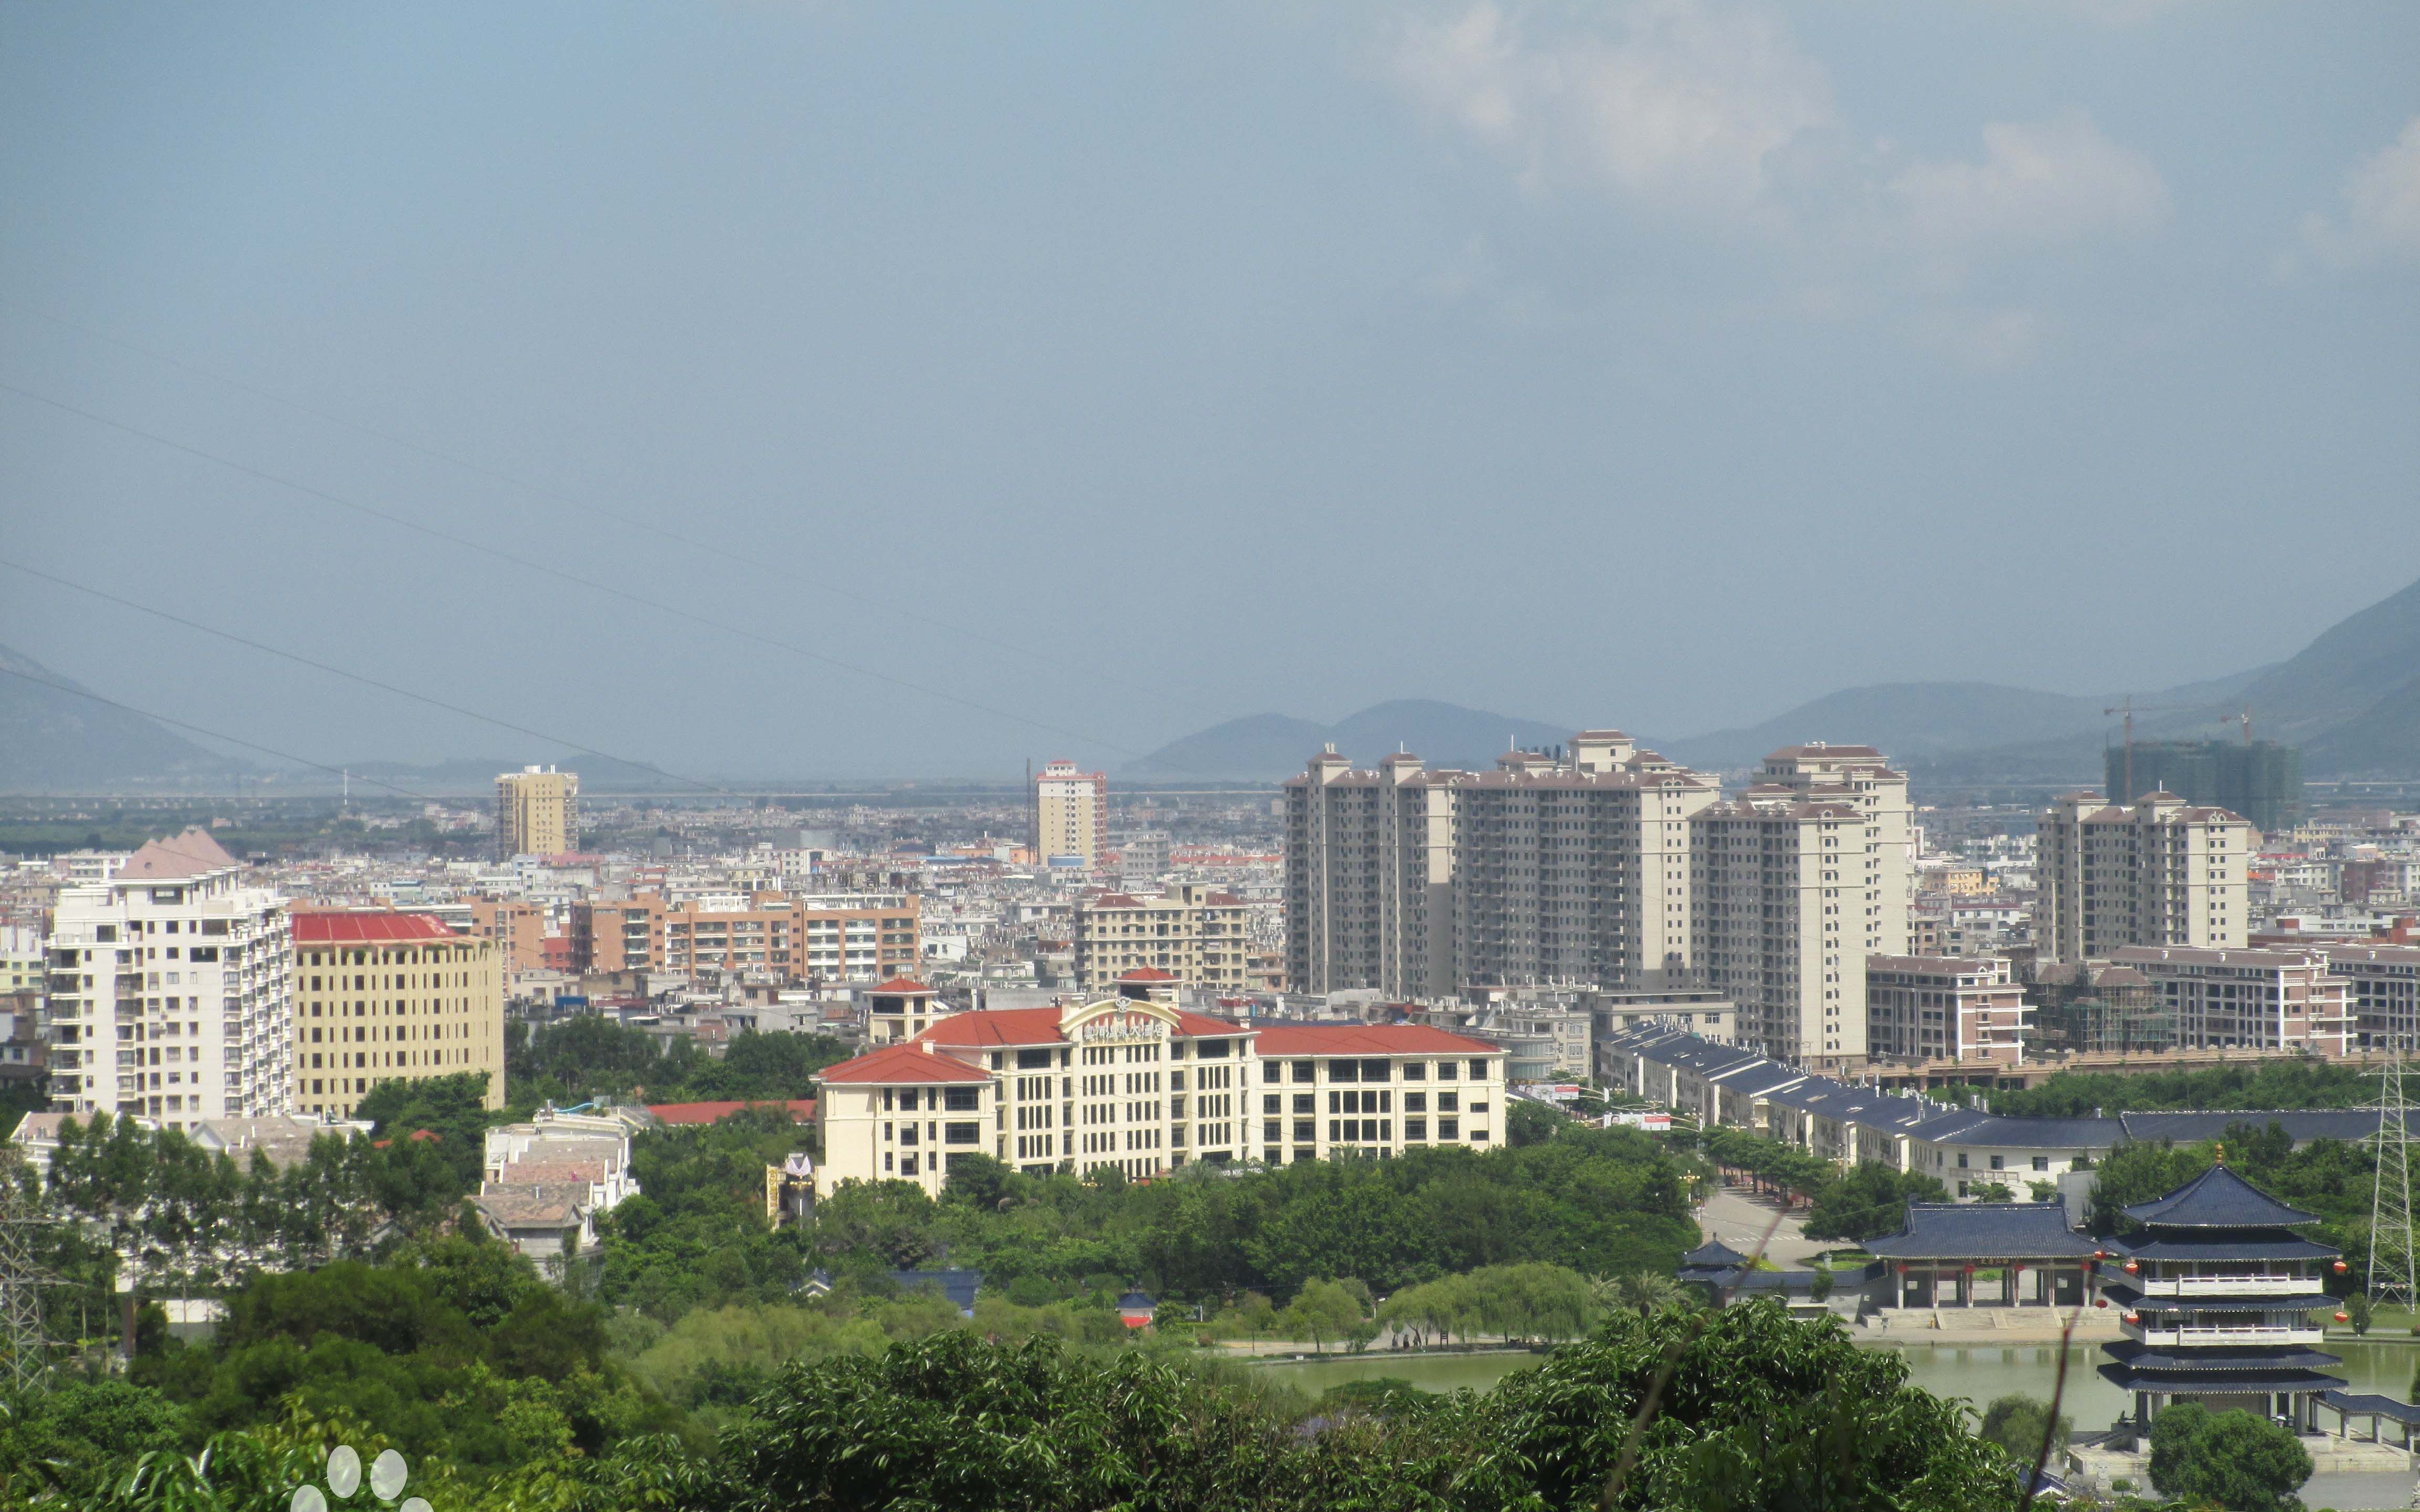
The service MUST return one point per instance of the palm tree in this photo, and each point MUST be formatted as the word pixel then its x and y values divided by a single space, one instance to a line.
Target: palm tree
pixel 1645 1291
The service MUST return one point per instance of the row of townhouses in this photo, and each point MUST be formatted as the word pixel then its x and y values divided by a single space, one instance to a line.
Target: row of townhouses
pixel 1965 1149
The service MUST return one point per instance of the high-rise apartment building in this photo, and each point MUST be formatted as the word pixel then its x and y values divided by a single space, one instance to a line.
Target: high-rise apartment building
pixel 382 996
pixel 1857 774
pixel 1071 814
pixel 1590 866
pixel 537 813
pixel 1782 899
pixel 2260 779
pixel 169 990
pixel 2159 872
pixel 1368 876
pixel 1195 934
pixel 1574 871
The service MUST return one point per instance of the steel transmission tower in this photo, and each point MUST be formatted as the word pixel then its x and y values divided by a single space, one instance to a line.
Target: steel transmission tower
pixel 2391 1257
pixel 24 1348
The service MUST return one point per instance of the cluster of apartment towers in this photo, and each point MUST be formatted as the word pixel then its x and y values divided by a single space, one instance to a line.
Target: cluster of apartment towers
pixel 1602 865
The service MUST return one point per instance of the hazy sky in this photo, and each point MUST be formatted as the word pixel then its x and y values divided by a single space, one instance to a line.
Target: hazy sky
pixel 1125 368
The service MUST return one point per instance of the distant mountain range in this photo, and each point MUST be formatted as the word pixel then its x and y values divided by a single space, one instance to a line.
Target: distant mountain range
pixel 54 739
pixel 1266 746
pixel 2351 699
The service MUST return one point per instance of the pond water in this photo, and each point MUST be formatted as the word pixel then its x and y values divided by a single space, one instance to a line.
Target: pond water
pixel 1977 1373
pixel 1429 1372
pixel 1980 1373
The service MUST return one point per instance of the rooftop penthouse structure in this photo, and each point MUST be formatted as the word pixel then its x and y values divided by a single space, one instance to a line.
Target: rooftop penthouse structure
pixel 2225 1304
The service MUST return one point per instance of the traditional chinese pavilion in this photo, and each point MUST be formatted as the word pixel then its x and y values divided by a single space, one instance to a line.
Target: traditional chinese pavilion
pixel 2225 1304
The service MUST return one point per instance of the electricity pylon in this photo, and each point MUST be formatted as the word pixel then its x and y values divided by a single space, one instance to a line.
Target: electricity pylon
pixel 24 1348
pixel 2391 1257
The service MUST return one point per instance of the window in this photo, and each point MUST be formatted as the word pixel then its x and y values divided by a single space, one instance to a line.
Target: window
pixel 1415 1103
pixel 2041 1163
pixel 1374 1071
pixel 1449 1102
pixel 1273 1102
pixel 1999 1163
pixel 1416 1128
pixel 1305 1130
pixel 962 1099
pixel 1033 1060
pixel 1306 1070
pixel 1961 1160
pixel 1345 1071
pixel 1448 1128
pixel 969 1132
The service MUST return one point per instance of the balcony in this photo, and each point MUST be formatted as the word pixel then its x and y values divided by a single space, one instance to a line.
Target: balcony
pixel 2253 1333
pixel 2226 1286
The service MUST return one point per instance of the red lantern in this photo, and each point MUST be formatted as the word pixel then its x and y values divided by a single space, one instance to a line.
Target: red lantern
pixel 2100 1301
pixel 2344 1317
pixel 2133 1318
pixel 2132 1266
pixel 1902 1268
pixel 2342 1267
pixel 1970 1269
pixel 2100 1254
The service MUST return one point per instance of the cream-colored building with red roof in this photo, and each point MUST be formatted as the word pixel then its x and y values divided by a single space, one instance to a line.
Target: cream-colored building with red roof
pixel 168 989
pixel 382 996
pixel 1136 1081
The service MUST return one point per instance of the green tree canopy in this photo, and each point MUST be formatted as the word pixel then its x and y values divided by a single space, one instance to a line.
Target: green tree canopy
pixel 2231 1460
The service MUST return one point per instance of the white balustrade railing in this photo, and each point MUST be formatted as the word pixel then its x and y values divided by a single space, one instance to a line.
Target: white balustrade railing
pixel 2223 1285
pixel 2279 1333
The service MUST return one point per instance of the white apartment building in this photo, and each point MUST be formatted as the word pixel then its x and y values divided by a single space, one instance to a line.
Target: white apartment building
pixel 1195 934
pixel 1943 1008
pixel 2159 872
pixel 2257 999
pixel 1135 1083
pixel 1071 816
pixel 169 990
pixel 1858 775
pixel 1784 890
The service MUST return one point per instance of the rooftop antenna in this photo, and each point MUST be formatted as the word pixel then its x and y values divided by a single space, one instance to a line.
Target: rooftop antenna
pixel 2247 724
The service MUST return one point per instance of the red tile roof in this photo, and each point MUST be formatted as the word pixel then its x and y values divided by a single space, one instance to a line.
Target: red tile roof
pixel 901 984
pixel 1146 973
pixel 1201 1025
pixel 365 926
pixel 997 1026
pixel 1366 1039
pixel 900 1065
pixel 801 1110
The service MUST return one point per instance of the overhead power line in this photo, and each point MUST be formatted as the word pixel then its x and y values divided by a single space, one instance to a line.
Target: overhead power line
pixel 354 677
pixel 592 585
pixel 232 740
pixel 575 502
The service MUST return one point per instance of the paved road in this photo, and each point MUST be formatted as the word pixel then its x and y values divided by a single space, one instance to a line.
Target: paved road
pixel 1740 1219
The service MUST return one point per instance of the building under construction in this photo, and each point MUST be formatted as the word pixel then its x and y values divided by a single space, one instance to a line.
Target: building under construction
pixel 2261 780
